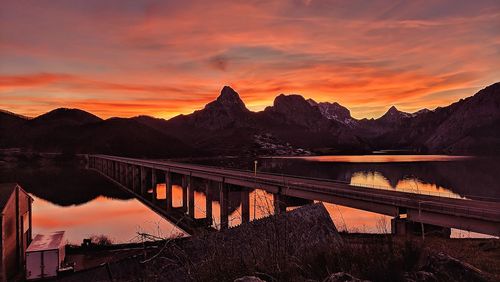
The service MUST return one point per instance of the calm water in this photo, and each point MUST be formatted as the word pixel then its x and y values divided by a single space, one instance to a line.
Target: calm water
pixel 85 204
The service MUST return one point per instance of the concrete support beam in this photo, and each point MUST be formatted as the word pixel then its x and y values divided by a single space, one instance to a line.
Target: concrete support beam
pixel 245 205
pixel 168 187
pixel 184 193
pixel 134 178
pixel 154 183
pixel 143 180
pixel 117 171
pixel 124 174
pixel 403 226
pixel 120 173
pixel 224 205
pixel 279 205
pixel 208 202
pixel 191 204
pixel 128 176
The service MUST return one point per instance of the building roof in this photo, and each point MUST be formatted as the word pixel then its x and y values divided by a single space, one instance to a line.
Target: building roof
pixel 49 241
pixel 6 190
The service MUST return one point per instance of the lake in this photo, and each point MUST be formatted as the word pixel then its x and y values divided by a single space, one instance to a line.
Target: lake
pixel 68 197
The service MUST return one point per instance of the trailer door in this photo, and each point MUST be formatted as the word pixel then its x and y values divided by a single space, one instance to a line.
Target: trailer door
pixel 50 263
pixel 34 265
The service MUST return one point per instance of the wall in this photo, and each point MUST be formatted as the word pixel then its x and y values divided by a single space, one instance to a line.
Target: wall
pixel 10 243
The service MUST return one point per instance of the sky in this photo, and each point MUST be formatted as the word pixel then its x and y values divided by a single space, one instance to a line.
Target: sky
pixel 164 58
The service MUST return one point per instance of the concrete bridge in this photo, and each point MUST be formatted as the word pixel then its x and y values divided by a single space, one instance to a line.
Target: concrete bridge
pixel 434 212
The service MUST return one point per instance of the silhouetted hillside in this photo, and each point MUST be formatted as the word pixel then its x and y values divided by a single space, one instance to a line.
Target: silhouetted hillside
pixel 292 125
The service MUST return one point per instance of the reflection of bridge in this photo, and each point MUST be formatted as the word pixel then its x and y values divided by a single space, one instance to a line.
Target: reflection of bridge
pixel 138 174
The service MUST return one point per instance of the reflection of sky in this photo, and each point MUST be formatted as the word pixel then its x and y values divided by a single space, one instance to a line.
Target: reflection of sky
pixel 411 185
pixel 383 158
pixel 128 57
pixel 120 220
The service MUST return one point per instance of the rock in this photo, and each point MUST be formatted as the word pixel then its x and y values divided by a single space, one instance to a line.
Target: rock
pixel 342 277
pixel 420 276
pixel 294 109
pixel 447 268
pixel 249 279
pixel 335 111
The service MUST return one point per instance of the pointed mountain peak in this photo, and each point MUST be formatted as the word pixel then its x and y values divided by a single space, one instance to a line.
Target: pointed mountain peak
pixel 227 93
pixel 229 103
pixel 230 99
pixel 393 114
pixel 393 109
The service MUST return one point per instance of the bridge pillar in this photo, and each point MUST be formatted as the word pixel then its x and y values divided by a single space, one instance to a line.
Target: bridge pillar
pixel 124 175
pixel 208 202
pixel 190 196
pixel 184 193
pixel 143 180
pixel 134 178
pixel 127 176
pixel 117 172
pixel 403 226
pixel 168 188
pixel 153 185
pixel 120 173
pixel 279 204
pixel 245 205
pixel 224 205
pixel 131 177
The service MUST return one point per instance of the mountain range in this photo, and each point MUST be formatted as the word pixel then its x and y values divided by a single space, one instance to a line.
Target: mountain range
pixel 293 125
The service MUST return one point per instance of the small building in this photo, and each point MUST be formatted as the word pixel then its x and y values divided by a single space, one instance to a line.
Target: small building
pixel 45 255
pixel 16 231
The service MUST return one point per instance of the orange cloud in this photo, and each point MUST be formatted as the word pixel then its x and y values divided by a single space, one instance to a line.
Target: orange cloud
pixel 162 59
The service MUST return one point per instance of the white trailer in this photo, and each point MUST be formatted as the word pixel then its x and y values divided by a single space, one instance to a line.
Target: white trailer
pixel 45 256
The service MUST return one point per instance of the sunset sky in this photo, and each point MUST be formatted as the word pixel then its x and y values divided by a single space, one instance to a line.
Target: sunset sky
pixel 163 58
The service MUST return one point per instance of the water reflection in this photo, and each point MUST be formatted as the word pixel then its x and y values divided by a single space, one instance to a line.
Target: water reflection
pixel 410 185
pixel 382 158
pixel 119 220
pixel 475 178
pixel 261 203
pixel 83 203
